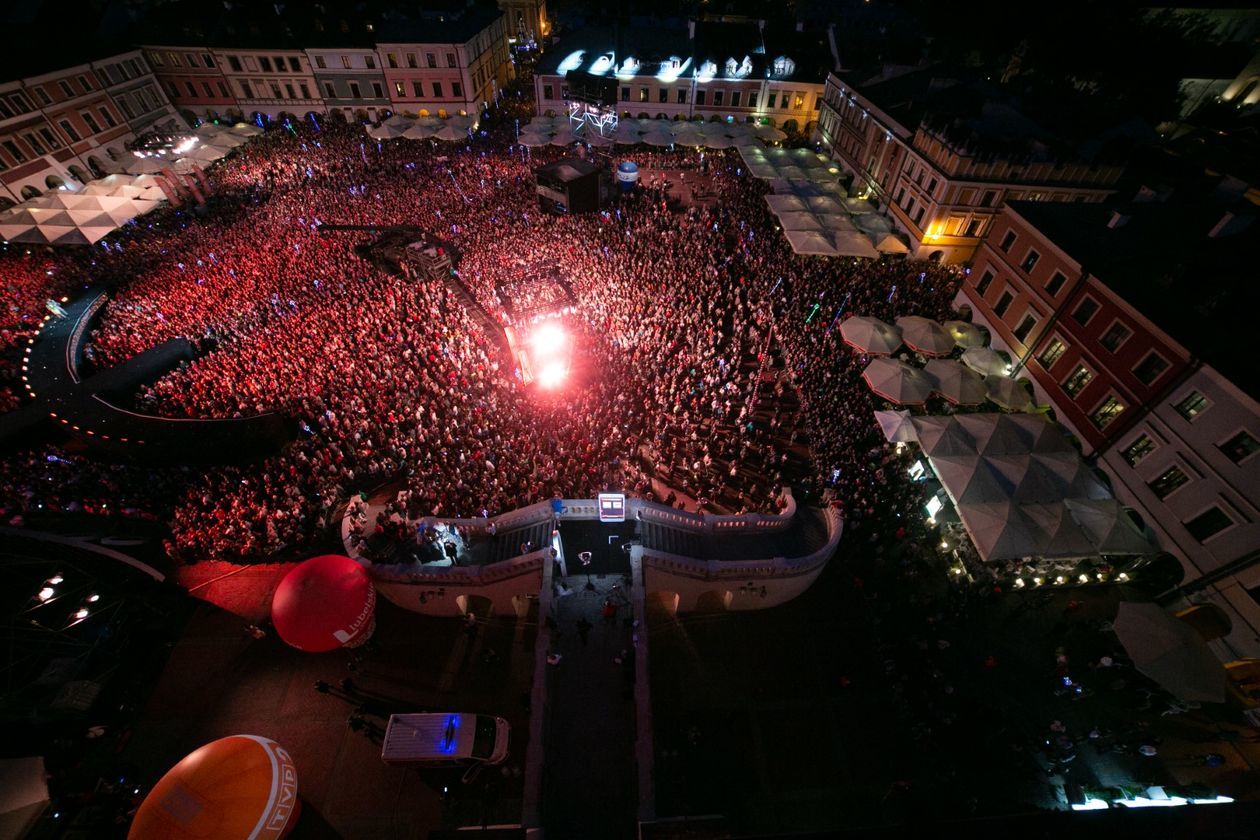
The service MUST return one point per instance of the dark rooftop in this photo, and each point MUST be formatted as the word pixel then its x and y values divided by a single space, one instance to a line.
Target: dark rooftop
pixel 1165 262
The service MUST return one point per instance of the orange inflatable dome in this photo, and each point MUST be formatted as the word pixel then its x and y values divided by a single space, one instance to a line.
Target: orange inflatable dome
pixel 243 787
pixel 325 603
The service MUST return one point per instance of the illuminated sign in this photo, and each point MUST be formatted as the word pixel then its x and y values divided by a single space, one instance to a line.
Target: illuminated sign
pixel 612 507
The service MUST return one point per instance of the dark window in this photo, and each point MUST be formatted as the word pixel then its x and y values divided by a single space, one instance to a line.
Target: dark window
pixel 549 92
pixel 321 63
pixel 264 63
pixel 370 61
pixel 1208 524
pixel 437 90
pixel 65 88
pixel 1052 353
pixel 1030 261
pixel 1150 368
pixel 246 90
pixel 1108 411
pixel 1239 447
pixel 288 89
pixel 1056 283
pixel 1025 327
pixel 377 90
pixel 1003 304
pixel 295 65
pixel 223 90
pixel 305 91
pixel 411 60
pixel 987 200
pixel 192 91
pixel 982 285
pixel 13 149
pixel 207 59
pixel 682 96
pixel 417 90
pixel 234 63
pixel 752 99
pixel 918 216
pixel 1192 406
pixel 430 59
pixel 450 60
pixel 34 143
pixel 1168 481
pixel 625 94
pixel 662 95
pixel 457 90
pixel 354 91
pixel 1085 311
pixel 699 97
pixel 718 96
pixel 205 87
pixel 42 96
pixel 329 91
pixel 735 94
pixel 1076 383
pixel 1115 335
pixel 91 122
pixel 1008 240
pixel 51 139
pixel 69 130
pixel 1138 450
pixel 392 60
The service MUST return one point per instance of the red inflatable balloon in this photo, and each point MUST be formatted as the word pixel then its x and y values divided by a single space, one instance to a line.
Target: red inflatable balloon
pixel 325 603
pixel 243 786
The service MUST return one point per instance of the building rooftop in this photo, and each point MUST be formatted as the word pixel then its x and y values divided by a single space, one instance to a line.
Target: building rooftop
pixel 1184 262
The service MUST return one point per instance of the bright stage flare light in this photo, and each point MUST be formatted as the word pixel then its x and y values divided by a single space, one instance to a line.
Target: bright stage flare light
pixel 552 374
pixel 548 338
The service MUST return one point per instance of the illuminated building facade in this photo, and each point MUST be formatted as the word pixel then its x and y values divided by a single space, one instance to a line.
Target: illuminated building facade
pixel 1149 369
pixel 742 71
pixel 941 157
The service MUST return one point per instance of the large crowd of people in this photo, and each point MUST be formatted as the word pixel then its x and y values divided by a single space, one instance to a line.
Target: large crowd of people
pixel 699 362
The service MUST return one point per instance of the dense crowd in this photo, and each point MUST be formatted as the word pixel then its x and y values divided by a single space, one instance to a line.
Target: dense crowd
pixel 698 363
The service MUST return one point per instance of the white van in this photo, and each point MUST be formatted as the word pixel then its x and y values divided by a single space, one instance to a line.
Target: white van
pixel 445 739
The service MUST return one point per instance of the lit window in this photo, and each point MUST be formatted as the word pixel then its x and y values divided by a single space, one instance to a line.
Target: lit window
pixel 1107 412
pixel 1192 406
pixel 1138 450
pixel 1076 383
pixel 1168 481
pixel 1052 353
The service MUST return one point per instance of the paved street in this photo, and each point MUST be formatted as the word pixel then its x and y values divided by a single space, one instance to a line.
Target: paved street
pixel 220 682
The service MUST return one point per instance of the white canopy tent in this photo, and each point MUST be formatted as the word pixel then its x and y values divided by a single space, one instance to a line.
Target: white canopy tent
pixel 897 382
pixel 1021 489
pixel 810 242
pixel 870 335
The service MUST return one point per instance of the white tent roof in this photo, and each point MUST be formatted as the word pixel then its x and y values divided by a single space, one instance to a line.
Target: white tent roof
pixel 1020 488
pixel 850 243
pixel 799 221
pixel 897 381
pixel 958 384
pixel 810 242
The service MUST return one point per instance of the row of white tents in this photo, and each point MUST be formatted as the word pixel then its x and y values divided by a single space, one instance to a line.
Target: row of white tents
pixel 1019 487
pixel 85 216
pixel 813 211
pixel 423 128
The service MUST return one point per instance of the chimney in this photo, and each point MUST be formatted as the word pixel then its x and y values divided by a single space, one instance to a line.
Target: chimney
pixel 1117 220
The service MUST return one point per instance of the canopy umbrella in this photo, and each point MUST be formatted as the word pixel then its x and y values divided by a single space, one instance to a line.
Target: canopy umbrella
pixel 942 437
pixel 450 134
pixel 764 171
pixel 11 232
pixel 896 426
pixel 890 243
pixel 1063 537
pixel 956 383
pixel 689 138
pixel 769 132
pixel 791 172
pixel 462 121
pixel 1109 527
pixel 594 138
pixel 836 222
pixel 850 243
pixel 142 166
pixel 858 206
pixel 325 603
pixel 1008 393
pixel 658 138
pixel 820 204
pixel 564 137
pixel 925 335
pixel 627 133
pixel 1170 652
pixel 965 334
pixel 247 129
pixel 387 131
pixel 1000 529
pixel 534 140
pixel 241 786
pixel 418 131
pixel 985 360
pixel 718 142
pixel 798 221
pixel 897 382
pixel 870 335
pixel 872 223
pixel 23 795
pixel 786 204
pixel 810 242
